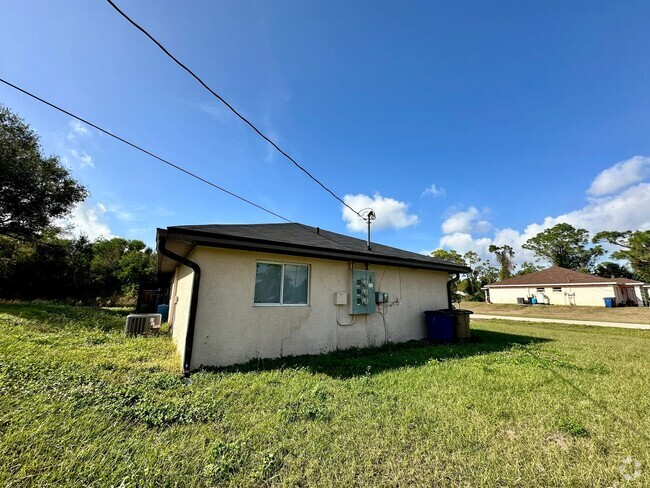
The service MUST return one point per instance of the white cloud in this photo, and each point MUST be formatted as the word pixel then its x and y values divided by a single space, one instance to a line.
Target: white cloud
pixel 77 129
pixel 435 191
pixel 465 222
pixel 625 210
pixel 126 215
pixel 463 242
pixel 391 213
pixel 87 220
pixel 620 176
pixel 84 157
pixel 216 111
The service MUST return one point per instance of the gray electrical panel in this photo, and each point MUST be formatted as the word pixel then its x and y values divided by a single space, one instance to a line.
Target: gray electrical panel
pixel 362 301
pixel 381 297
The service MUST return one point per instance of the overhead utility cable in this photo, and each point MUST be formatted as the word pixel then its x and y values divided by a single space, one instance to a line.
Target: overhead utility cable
pixel 232 109
pixel 167 162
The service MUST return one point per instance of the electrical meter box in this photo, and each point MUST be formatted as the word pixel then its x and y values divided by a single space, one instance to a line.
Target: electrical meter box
pixel 381 297
pixel 362 301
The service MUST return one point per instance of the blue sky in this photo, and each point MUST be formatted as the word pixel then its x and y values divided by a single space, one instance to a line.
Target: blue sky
pixel 515 115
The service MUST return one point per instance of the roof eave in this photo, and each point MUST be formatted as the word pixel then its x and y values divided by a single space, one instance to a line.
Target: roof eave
pixel 562 284
pixel 251 244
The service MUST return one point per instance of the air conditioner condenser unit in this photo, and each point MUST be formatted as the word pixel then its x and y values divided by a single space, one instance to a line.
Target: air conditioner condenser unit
pixel 142 323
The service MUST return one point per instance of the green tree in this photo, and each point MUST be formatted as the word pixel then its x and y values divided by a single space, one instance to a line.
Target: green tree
pixel 487 274
pixel 635 248
pixel 471 281
pixel 471 258
pixel 50 267
pixel 34 189
pixel 118 265
pixel 483 274
pixel 609 269
pixel 527 268
pixel 137 264
pixel 451 256
pixel 504 255
pixel 565 246
pixel 106 257
pixel 79 257
pixel 454 257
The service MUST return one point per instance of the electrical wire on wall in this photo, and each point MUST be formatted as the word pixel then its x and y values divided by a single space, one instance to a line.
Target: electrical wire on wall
pixel 382 313
pixel 384 306
pixel 354 317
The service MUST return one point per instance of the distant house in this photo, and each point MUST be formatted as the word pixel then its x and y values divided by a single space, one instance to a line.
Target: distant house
pixel 240 292
pixel 561 286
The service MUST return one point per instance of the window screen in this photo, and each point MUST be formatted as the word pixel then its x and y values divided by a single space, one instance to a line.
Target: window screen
pixel 268 279
pixel 295 284
pixel 281 284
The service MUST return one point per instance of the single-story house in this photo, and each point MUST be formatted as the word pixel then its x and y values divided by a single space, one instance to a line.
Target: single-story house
pixel 561 286
pixel 240 292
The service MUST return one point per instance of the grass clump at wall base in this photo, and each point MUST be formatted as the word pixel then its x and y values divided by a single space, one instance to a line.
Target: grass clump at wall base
pixel 525 405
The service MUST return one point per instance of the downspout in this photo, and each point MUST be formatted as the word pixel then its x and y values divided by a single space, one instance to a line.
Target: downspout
pixel 189 335
pixel 449 283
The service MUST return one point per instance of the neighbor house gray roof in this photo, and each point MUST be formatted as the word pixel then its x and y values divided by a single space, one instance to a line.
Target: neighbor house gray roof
pixel 293 239
pixel 560 276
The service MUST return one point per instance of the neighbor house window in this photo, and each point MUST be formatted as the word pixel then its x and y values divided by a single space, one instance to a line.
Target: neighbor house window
pixel 281 284
pixel 541 290
pixel 557 289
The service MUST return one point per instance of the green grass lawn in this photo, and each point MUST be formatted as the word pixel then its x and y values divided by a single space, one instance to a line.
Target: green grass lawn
pixel 636 315
pixel 525 405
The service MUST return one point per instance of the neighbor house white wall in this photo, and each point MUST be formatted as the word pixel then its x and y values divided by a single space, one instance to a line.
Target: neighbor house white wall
pixel 591 295
pixel 638 294
pixel 230 329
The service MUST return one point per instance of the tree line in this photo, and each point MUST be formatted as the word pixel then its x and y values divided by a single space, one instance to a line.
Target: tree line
pixel 561 245
pixel 38 259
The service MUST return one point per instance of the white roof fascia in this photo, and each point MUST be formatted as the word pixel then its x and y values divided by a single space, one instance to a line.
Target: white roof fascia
pixel 560 284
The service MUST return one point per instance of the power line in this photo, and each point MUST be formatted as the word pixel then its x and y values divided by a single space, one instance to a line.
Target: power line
pixel 232 109
pixel 168 163
pixel 148 153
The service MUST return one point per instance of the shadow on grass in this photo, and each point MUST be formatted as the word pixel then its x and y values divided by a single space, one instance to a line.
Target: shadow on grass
pixel 372 360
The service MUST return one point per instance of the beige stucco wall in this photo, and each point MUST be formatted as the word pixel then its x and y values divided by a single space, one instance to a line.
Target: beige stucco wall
pixel 180 305
pixel 230 329
pixel 591 295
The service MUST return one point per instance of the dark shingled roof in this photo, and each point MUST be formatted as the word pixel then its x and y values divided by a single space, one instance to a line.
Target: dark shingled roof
pixel 302 240
pixel 560 276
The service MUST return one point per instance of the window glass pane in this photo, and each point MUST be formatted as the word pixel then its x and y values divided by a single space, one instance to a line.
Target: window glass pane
pixel 267 283
pixel 295 284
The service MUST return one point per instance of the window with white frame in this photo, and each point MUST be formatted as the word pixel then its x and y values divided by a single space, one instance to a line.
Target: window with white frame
pixel 557 289
pixel 541 290
pixel 281 284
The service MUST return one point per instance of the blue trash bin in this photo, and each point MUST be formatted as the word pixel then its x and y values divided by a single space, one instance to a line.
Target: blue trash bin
pixel 609 302
pixel 440 326
pixel 164 311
